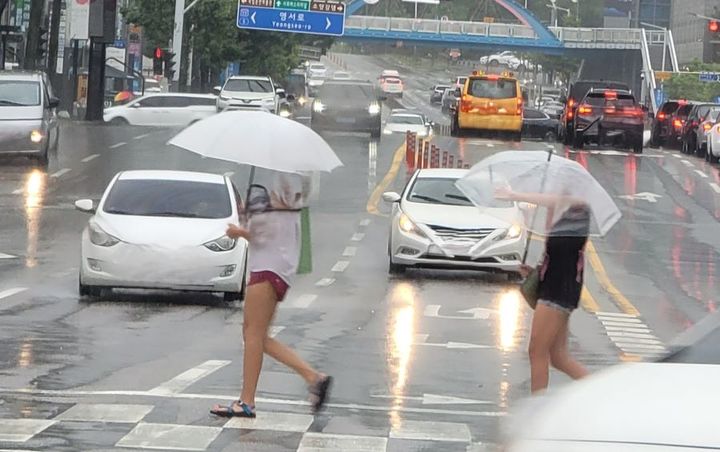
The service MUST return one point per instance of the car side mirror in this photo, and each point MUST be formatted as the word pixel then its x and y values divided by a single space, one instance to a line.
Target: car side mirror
pixel 291 98
pixel 382 97
pixel 391 197
pixel 53 102
pixel 281 94
pixel 216 90
pixel 85 205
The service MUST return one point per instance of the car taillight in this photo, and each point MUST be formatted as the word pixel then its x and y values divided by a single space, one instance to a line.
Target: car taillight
pixel 661 116
pixel 707 126
pixel 584 109
pixel 571 102
pixel 677 123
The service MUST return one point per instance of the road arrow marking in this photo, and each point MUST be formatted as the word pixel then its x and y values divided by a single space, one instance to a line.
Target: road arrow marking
pixel 326 26
pixel 644 196
pixel 435 399
pixel 433 310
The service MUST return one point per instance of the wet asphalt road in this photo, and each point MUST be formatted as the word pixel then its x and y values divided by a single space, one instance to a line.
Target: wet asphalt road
pixel 412 372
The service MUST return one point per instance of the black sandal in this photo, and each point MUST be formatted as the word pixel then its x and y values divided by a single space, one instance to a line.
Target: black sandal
pixel 229 411
pixel 320 391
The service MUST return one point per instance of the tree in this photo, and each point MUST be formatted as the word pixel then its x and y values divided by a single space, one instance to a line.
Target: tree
pixel 688 86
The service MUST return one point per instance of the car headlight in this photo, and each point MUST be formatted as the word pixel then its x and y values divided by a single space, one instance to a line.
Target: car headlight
pixel 224 243
pixel 302 100
pixel 318 107
pixel 99 237
pixel 510 233
pixel 408 226
pixel 36 136
pixel 374 109
pixel 284 113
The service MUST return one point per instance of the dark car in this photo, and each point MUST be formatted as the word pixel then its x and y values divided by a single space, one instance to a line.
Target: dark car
pixel 688 135
pixel 662 126
pixel 677 123
pixel 437 93
pixel 347 106
pixel 576 93
pixel 537 124
pixel 610 117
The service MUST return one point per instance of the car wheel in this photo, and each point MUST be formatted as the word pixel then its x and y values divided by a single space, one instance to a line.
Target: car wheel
pixel 119 121
pixel 455 129
pixel 516 136
pixel 710 156
pixel 230 297
pixel 87 291
pixel 578 141
pixel 713 159
pixel 494 63
pixel 568 137
pixel 396 269
pixel 655 137
pixel 638 146
pixel 43 159
pixel 551 136
pixel 514 277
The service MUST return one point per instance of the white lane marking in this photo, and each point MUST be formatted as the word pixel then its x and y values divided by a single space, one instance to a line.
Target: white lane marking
pixel 303 301
pixel 634 335
pixel 634 346
pixel 340 266
pixel 229 173
pixel 637 329
pixel 431 431
pixel 715 187
pixel 275 330
pixel 21 430
pixel 326 442
pixel 189 377
pixel 687 162
pixel 620 320
pixel 7 256
pixel 90 157
pixel 71 393
pixel 358 236
pixel 455 345
pixel 10 292
pixel 302 118
pixel 18 191
pixel 325 282
pixel 678 156
pixel 349 251
pixel 645 196
pixel 277 422
pixel 140 137
pixel 117 145
pixel 364 222
pixel 148 435
pixel 59 173
pixel 435 399
pixel 615 314
pixel 490 145
pixel 104 412
pixel 701 174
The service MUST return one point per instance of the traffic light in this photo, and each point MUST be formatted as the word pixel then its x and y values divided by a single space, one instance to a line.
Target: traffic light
pixel 713 26
pixel 169 58
pixel 158 61
pixel 42 47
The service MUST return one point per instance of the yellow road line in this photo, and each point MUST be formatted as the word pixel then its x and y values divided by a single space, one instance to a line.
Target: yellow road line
pixel 374 201
pixel 620 300
pixel 588 301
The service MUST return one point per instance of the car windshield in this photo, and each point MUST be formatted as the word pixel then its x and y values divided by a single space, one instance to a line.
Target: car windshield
pixel 19 93
pixel 406 119
pixel 601 100
pixel 346 93
pixel 168 198
pixel 441 190
pixel 683 111
pixel 248 86
pixel 492 89
pixel 392 80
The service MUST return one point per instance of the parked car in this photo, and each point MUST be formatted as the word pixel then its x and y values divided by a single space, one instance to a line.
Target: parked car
pixel 163 110
pixel 689 143
pixel 402 121
pixel 608 116
pixel 28 118
pixel 434 225
pixel 347 106
pixel 662 126
pixel 437 93
pixel 713 144
pixel 163 230
pixel 248 92
pixel 576 92
pixel 537 124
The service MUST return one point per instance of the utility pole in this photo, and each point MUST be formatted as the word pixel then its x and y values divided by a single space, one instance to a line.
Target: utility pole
pixel 177 40
pixel 54 37
pixel 33 35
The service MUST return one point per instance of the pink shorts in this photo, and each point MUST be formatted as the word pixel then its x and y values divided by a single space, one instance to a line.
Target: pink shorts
pixel 277 283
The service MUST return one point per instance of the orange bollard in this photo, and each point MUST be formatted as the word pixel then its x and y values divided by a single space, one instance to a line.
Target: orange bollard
pixel 459 163
pixel 451 160
pixel 435 157
pixel 410 152
pixel 445 159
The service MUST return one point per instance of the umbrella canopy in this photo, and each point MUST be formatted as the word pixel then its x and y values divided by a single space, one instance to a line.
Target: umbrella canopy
pixel 563 181
pixel 261 139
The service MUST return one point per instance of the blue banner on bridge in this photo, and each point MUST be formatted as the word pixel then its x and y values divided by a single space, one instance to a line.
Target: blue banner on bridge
pixel 292 20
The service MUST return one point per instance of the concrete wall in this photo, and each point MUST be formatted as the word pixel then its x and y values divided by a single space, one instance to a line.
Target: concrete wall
pixel 690 33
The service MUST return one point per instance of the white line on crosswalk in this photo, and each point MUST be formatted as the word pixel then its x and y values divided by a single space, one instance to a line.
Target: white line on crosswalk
pixel 187 378
pixel 18 191
pixel 358 236
pixel 10 292
pixel 117 145
pixel 229 173
pixel 618 320
pixel 364 222
pixel 637 329
pixel 634 346
pixel 615 314
pixel 687 162
pixel 340 266
pixel 715 187
pixel 59 173
pixel 325 282
pixel 349 251
pixel 90 157
pixel 303 301
pixel 144 135
pixel 275 330
pixel 701 174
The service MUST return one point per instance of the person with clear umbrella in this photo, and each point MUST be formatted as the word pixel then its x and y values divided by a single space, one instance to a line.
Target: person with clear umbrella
pixel 271 226
pixel 568 205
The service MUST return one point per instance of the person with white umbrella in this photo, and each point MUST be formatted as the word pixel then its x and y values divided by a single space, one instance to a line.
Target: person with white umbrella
pixel 571 205
pixel 272 229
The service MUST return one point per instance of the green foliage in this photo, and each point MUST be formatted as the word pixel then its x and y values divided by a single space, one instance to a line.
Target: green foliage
pixel 688 86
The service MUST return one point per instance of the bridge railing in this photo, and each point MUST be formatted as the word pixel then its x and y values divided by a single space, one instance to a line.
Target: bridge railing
pixel 585 37
pixel 405 24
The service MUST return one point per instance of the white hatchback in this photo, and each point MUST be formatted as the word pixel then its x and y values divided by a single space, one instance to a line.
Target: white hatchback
pixel 434 225
pixel 401 121
pixel 163 109
pixel 163 230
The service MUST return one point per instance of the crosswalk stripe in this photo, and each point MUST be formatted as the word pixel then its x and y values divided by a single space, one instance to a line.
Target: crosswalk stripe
pixel 615 314
pixel 184 380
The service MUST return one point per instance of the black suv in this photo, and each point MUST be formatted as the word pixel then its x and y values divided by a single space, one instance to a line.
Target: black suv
pixel 662 124
pixel 347 106
pixel 688 135
pixel 576 93
pixel 610 117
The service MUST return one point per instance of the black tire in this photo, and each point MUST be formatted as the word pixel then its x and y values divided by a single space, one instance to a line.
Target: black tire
pixel 710 158
pixel 516 136
pixel 43 159
pixel 118 121
pixel 396 269
pixel 568 137
pixel 578 141
pixel 655 140
pixel 455 129
pixel 551 136
pixel 230 297
pixel 638 146
pixel 494 63
pixel 514 277
pixel 87 291
pixel 702 150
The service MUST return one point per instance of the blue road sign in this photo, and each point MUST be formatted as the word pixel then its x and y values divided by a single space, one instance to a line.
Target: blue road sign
pixel 119 43
pixel 293 20
pixel 709 77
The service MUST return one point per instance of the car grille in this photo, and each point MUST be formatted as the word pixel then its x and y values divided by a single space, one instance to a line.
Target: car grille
pixel 450 234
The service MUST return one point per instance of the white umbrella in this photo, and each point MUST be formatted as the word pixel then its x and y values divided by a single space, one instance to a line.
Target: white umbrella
pixel 259 139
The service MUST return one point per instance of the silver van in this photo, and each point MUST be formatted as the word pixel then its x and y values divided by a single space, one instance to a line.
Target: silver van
pixel 28 117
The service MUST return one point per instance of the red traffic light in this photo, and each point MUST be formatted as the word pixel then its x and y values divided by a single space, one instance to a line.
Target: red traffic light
pixel 714 26
pixel 158 53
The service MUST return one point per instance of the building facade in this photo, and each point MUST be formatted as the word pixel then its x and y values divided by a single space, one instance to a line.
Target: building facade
pixel 654 12
pixel 693 41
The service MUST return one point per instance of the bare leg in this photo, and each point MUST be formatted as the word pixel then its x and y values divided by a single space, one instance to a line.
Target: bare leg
pixel 285 355
pixel 546 324
pixel 259 310
pixel 561 359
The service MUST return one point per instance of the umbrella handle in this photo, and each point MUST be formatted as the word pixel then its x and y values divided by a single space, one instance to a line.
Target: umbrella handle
pixel 530 233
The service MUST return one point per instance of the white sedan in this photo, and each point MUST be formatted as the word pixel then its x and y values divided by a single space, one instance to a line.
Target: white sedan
pixel 666 406
pixel 163 230
pixel 435 225
pixel 405 121
pixel 163 109
pixel 713 144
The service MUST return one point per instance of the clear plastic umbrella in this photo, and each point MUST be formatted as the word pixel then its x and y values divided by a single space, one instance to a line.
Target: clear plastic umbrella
pixel 552 187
